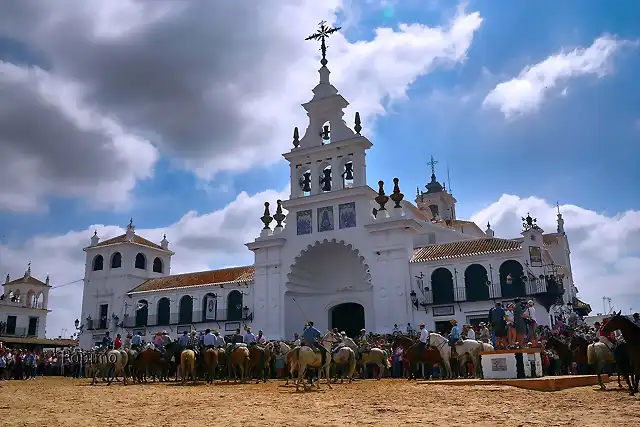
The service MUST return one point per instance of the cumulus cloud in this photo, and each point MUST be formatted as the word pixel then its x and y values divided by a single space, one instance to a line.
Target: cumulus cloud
pixel 215 86
pixel 527 92
pixel 604 248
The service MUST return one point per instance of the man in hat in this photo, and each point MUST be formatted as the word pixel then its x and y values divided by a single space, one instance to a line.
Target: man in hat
pixel 193 342
pixel 310 338
pixel 424 337
pixel 454 335
pixel 483 333
pixel 209 340
pixel 220 342
pixel 236 339
pixel 249 337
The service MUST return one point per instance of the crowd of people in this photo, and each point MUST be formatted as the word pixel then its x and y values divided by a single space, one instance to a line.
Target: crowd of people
pixel 23 364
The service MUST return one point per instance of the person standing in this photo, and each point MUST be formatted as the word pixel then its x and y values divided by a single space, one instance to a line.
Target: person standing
pixel 518 321
pixel 249 337
pixel 531 322
pixel 118 342
pixel 497 322
pixel 209 340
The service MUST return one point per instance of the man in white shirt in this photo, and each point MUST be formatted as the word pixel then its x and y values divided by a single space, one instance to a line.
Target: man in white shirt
pixel 530 318
pixel 209 339
pixel 249 337
pixel 220 342
pixel 471 334
pixel 424 336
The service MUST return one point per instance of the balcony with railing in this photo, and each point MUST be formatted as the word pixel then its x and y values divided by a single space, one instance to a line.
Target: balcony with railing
pixel 13 332
pixel 177 318
pixel 459 294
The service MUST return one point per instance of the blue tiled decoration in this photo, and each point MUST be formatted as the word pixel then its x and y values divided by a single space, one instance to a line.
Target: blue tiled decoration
pixel 304 221
pixel 347 212
pixel 325 218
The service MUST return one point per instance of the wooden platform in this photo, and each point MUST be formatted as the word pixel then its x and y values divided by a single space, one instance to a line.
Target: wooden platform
pixel 539 384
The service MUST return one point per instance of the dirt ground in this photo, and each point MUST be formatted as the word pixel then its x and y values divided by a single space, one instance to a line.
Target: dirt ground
pixel 66 402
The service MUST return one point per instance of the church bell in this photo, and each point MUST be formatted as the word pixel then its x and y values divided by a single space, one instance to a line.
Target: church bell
pixel 348 171
pixel 325 133
pixel 305 182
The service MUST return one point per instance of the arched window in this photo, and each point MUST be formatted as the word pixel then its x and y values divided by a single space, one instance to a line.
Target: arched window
pixel 185 315
pixel 98 263
pixel 157 265
pixel 347 174
pixel 442 286
pixel 511 283
pixel 141 261
pixel 116 260
pixel 31 299
pixel 476 283
pixel 234 306
pixel 142 313
pixel 164 313
pixel 40 301
pixel 209 307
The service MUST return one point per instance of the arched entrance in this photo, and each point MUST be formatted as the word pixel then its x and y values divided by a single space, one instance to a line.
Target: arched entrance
pixel 347 317
pixel 323 275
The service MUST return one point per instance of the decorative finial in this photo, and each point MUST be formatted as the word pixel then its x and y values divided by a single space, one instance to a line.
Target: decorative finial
pixel 433 164
pixel 558 207
pixel 29 269
pixel 529 223
pixel 296 137
pixel 164 236
pixel 488 225
pixel 381 199
pixel 131 226
pixel 46 281
pixel 7 280
pixel 95 233
pixel 323 33
pixel 396 196
pixel 417 191
pixel 266 218
pixel 358 126
pixel 279 216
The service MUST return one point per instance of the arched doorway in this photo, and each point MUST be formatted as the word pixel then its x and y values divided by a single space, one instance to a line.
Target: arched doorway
pixel 442 286
pixel 475 282
pixel 511 283
pixel 185 315
pixel 164 313
pixel 142 313
pixel 321 275
pixel 347 317
pixel 234 305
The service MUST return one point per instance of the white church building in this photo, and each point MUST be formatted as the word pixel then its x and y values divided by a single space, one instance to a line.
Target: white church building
pixel 23 306
pixel 344 255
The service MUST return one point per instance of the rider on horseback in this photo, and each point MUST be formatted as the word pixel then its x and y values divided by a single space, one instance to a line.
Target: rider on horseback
pixel 192 342
pixel 249 337
pixel 209 339
pixel 310 339
pixel 424 337
pixel 236 339
pixel 106 341
pixel 454 335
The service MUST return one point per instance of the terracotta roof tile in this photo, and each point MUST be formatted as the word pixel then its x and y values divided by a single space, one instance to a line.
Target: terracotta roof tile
pixel 200 278
pixel 464 248
pixel 123 238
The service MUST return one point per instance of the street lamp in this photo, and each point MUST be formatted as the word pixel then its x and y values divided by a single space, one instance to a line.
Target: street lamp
pixel 414 298
pixel 77 323
pixel 246 315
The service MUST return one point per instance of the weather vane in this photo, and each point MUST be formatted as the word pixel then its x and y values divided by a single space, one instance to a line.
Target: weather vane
pixel 322 34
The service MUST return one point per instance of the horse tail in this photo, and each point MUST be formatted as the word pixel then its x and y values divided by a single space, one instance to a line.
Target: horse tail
pixel 591 354
pixel 385 360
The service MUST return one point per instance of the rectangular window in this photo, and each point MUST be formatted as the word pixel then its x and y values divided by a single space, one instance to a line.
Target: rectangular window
pixel 104 315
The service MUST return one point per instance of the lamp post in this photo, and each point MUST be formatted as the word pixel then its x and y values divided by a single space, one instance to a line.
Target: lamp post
pixel 414 298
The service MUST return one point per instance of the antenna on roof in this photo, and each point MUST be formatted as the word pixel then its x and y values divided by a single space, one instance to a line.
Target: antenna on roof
pixel 449 180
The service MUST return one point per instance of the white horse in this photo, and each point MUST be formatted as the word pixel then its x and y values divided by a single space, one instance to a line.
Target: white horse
pixel 472 348
pixel 304 356
pixel 373 355
pixel 113 361
pixel 342 355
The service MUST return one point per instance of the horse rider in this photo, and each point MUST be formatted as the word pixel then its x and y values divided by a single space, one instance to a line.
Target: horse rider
pixel 136 341
pixel 249 337
pixel 166 339
pixel 158 342
pixel 423 341
pixel 338 340
pixel 296 339
pixel 608 340
pixel 193 343
pixel 209 340
pixel 127 341
pixel 236 339
pixel 261 339
pixel 454 335
pixel 310 338
pixel 184 339
pixel 483 333
pixel 219 340
pixel 106 341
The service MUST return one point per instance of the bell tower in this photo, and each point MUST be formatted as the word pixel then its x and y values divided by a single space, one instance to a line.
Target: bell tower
pixel 330 156
pixel 436 201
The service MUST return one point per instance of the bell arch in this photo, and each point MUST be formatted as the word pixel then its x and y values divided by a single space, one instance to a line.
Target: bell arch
pixel 158 266
pixel 476 281
pixel 116 260
pixel 141 261
pixel 98 263
pixel 323 275
pixel 511 279
pixel 142 313
pixel 442 286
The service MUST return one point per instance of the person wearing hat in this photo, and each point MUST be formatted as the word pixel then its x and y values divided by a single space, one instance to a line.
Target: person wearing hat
pixel 235 340
pixel 424 336
pixel 518 321
pixel 249 337
pixel 454 335
pixel 260 339
pixel 193 342
pixel 483 333
pixel 220 342
pixel 158 342
pixel 363 337
pixel 469 333
pixel 531 323
pixel 136 341
pixel 310 338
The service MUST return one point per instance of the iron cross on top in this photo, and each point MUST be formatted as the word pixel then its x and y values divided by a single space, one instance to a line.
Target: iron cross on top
pixel 322 34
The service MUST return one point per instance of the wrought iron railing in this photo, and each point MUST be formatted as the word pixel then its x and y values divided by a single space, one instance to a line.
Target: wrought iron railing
pixel 15 332
pixel 459 294
pixel 178 319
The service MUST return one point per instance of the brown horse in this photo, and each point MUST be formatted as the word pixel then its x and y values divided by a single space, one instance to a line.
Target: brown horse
pixel 564 353
pixel 429 356
pixel 210 358
pixel 257 363
pixel 150 363
pixel 579 346
pixel 188 366
pixel 631 335
pixel 239 358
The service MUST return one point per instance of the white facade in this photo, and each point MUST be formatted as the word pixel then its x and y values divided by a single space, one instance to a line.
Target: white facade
pixel 337 258
pixel 23 306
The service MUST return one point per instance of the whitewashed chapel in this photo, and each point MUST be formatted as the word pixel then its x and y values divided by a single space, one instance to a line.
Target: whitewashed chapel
pixel 344 256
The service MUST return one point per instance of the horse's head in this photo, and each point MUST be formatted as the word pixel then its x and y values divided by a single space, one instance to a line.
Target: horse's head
pixel 617 321
pixel 401 341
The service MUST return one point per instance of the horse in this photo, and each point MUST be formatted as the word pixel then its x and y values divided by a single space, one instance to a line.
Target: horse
pixel 470 347
pixel 631 335
pixel 210 360
pixel 564 353
pixel 464 359
pixel 113 361
pixel 238 358
pixel 341 355
pixel 257 362
pixel 188 366
pixel 579 346
pixel 429 356
pixel 303 357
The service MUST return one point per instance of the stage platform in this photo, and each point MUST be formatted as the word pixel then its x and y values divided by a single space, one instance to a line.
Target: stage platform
pixel 538 384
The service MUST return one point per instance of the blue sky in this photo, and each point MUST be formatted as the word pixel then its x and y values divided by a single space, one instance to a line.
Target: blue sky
pixel 579 146
pixel 580 149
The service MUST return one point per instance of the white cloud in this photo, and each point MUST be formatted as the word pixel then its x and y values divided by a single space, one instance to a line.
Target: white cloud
pixel 605 249
pixel 215 86
pixel 527 92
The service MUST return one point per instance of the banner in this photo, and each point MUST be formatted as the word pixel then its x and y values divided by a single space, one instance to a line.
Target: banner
pixel 210 313
pixel 535 256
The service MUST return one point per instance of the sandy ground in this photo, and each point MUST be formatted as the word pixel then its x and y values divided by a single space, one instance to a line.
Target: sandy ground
pixel 66 402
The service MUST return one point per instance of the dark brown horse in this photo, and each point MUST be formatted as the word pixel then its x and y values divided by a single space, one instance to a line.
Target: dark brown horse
pixel 631 335
pixel 564 353
pixel 257 363
pixel 429 356
pixel 579 346
pixel 210 361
